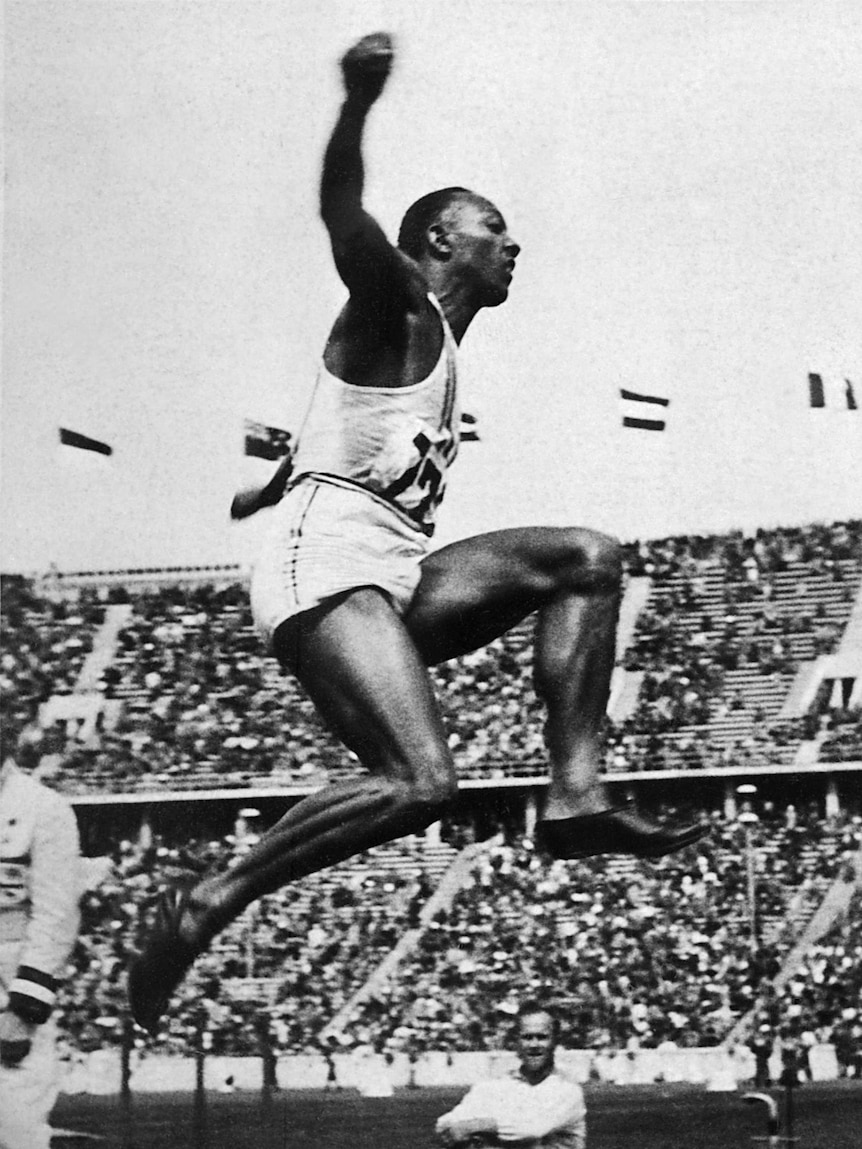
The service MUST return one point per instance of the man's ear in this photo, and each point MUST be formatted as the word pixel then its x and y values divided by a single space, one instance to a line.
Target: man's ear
pixel 439 243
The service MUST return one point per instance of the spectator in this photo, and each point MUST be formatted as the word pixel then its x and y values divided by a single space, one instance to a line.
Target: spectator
pixel 761 1046
pixel 534 1105
pixel 40 871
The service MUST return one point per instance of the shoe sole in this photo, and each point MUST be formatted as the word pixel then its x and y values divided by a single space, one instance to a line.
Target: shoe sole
pixel 159 963
pixel 680 843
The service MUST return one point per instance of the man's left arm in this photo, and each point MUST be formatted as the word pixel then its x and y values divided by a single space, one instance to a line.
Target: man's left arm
pixel 55 889
pixel 250 500
pixel 556 1110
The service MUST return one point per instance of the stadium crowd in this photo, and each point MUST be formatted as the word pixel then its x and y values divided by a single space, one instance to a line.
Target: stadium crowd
pixel 843 737
pixel 295 957
pixel 637 955
pixel 44 640
pixel 728 621
pixel 821 1002
pixel 643 956
pixel 820 546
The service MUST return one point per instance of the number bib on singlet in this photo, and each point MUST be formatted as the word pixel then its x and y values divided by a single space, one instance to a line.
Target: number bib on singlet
pixel 419 490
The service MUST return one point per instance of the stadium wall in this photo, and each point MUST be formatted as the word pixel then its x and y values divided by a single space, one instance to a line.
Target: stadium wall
pixel 377 1075
pixel 175 815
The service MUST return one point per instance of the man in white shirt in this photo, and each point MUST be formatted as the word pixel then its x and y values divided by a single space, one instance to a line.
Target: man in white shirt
pixel 535 1105
pixel 40 887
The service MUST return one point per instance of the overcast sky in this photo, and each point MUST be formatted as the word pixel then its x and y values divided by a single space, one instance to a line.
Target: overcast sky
pixel 685 180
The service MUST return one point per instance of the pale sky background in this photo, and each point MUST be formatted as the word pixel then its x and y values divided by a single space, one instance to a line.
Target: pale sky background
pixel 685 180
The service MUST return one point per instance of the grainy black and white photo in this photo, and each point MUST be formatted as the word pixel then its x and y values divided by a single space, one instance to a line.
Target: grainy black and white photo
pixel 431 669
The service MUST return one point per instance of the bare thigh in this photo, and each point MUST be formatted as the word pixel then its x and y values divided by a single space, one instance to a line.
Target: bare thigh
pixel 362 670
pixel 475 590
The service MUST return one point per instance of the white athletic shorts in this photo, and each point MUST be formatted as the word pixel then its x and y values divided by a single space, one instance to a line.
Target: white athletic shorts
pixel 328 537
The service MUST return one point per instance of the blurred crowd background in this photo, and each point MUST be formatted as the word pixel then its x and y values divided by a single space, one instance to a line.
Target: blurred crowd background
pixel 158 686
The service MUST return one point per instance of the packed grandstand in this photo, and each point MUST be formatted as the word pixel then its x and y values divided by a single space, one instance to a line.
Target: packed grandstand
pixel 738 690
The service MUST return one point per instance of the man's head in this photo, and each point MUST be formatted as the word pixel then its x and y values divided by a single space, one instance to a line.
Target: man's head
pixel 537 1035
pixel 20 742
pixel 423 214
pixel 459 235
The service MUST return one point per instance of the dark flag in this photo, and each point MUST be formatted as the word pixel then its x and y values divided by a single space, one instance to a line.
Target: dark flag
pixel 84 442
pixel 643 412
pixel 816 394
pixel 827 393
pixel 469 430
pixel 264 442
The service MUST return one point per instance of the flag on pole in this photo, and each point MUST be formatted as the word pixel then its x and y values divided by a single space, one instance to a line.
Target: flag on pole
pixel 263 442
pixel 84 442
pixel 833 393
pixel 469 429
pixel 816 394
pixel 643 412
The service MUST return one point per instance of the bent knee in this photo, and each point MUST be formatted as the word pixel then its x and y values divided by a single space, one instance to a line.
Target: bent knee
pixel 596 560
pixel 437 790
pixel 428 795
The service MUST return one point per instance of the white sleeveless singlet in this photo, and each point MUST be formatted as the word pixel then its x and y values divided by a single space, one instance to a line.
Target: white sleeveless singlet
pixel 396 442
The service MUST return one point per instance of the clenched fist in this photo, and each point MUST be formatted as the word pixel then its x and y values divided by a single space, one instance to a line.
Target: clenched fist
pixel 15 1039
pixel 366 66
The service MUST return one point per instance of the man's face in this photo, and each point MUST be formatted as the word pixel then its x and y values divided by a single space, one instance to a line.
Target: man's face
pixel 482 248
pixel 536 1044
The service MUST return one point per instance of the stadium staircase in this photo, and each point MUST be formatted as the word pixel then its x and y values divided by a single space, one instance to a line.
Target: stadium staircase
pixel 626 684
pixel 851 640
pixel 85 708
pixel 832 907
pixel 403 859
pixel 441 899
pixel 830 600
pixel 846 662
pixel 104 647
pixel 635 598
pixel 803 691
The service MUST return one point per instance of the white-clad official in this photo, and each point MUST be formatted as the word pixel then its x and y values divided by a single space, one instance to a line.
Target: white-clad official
pixel 533 1106
pixel 40 887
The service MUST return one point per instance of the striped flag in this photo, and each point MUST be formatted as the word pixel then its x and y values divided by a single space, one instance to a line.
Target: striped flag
pixel 816 394
pixel 84 442
pixel 263 442
pixel 833 393
pixel 469 428
pixel 643 412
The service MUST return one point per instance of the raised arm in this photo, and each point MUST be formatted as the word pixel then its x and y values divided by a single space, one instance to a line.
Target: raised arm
pixel 372 269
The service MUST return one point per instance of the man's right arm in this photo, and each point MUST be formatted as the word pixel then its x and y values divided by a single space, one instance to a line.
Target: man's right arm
pixel 52 926
pixel 471 1116
pixel 373 270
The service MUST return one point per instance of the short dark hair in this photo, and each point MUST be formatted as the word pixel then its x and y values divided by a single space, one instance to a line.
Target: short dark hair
pixel 9 733
pixel 421 214
pixel 21 740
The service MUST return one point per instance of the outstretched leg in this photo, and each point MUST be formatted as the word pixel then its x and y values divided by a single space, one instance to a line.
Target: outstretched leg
pixel 362 670
pixel 475 590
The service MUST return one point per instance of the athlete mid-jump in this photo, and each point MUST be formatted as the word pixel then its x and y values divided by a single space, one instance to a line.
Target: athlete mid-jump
pixel 347 594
